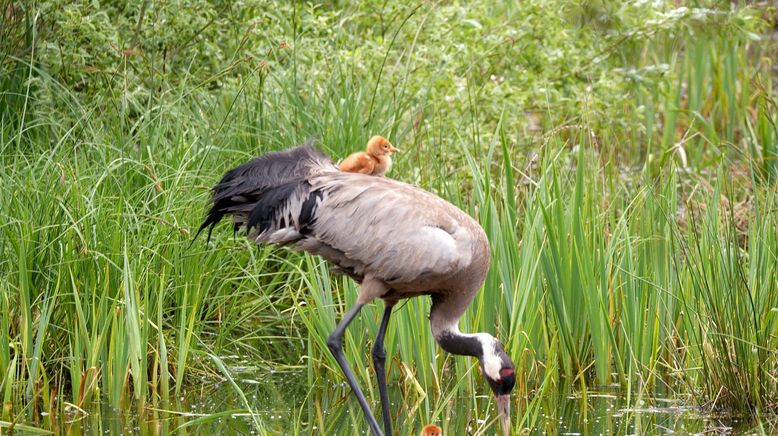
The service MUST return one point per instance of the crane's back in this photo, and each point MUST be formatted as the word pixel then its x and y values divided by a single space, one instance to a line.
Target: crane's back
pixel 404 235
pixel 409 238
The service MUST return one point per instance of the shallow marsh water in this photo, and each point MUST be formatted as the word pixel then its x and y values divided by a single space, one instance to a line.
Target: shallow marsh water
pixel 282 404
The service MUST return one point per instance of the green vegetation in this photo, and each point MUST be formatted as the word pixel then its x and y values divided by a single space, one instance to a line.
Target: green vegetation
pixel 620 156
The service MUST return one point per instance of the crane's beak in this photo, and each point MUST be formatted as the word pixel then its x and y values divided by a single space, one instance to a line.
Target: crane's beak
pixel 504 407
pixel 392 149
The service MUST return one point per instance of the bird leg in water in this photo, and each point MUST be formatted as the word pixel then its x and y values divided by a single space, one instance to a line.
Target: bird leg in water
pixel 335 343
pixel 379 361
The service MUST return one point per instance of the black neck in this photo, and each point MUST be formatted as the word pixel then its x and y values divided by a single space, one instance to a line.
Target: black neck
pixel 457 343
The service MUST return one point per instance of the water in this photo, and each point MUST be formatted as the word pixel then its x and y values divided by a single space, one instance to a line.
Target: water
pixel 283 402
pixel 610 413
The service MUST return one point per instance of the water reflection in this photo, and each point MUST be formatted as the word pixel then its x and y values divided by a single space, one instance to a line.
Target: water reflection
pixel 614 413
pixel 284 404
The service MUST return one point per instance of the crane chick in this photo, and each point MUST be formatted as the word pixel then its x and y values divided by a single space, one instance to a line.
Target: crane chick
pixel 431 430
pixel 374 161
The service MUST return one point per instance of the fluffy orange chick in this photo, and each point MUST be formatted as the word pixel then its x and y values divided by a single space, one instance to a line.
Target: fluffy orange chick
pixel 431 430
pixel 375 160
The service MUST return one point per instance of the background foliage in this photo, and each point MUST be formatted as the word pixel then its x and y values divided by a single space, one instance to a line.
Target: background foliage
pixel 620 155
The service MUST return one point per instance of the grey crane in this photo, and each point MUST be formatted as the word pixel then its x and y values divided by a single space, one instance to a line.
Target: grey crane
pixel 396 240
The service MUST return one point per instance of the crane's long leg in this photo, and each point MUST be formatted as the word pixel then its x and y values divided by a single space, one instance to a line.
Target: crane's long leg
pixel 335 343
pixel 379 361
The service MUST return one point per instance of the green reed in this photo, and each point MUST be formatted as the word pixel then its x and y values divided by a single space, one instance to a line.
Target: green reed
pixel 636 250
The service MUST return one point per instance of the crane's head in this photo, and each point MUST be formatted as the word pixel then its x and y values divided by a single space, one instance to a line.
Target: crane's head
pixel 497 367
pixel 494 363
pixel 380 146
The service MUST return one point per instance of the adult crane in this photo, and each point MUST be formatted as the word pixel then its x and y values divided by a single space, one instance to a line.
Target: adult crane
pixel 396 240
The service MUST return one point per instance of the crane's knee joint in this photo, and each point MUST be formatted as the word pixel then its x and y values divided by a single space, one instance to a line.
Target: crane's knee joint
pixel 335 343
pixel 379 353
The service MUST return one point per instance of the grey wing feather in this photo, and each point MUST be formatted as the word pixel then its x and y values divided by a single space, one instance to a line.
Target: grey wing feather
pixel 388 229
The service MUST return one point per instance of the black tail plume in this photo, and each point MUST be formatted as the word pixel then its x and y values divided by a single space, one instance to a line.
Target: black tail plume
pixel 273 174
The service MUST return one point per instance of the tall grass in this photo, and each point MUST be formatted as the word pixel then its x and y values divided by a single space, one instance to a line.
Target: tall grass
pixel 638 252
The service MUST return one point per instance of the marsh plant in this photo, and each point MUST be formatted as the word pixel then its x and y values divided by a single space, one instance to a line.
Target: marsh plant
pixel 621 157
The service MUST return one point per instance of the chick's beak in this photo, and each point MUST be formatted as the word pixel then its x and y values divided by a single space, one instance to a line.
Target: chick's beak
pixel 392 149
pixel 504 407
